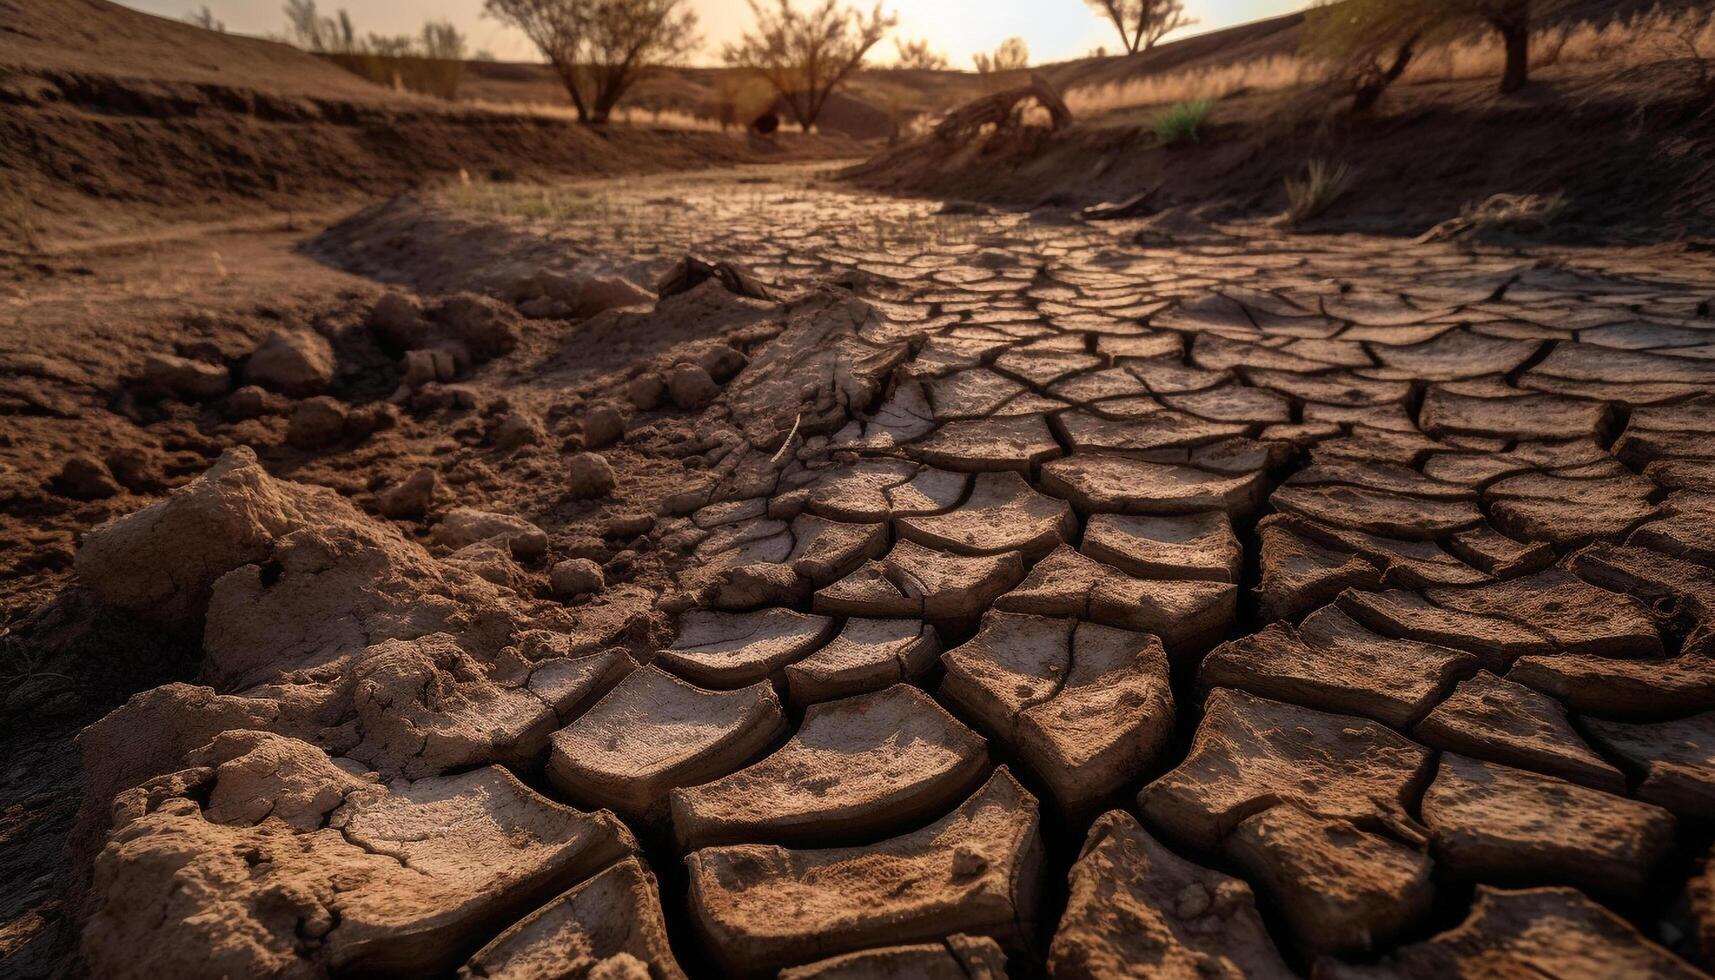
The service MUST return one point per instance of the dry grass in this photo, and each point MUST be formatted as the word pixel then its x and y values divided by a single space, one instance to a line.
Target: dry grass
pixel 1645 39
pixel 1323 183
pixel 1279 72
pixel 640 118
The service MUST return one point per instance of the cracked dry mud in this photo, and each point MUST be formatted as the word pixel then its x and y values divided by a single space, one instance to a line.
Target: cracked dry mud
pixel 1055 603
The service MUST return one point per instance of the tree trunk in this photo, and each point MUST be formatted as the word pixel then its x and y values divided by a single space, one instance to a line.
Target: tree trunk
pixel 1515 32
pixel 1370 88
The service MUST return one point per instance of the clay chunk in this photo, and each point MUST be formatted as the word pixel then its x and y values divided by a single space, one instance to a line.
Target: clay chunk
pixel 1332 663
pixel 1002 514
pixel 760 908
pixel 1677 759
pixel 914 581
pixel 1492 718
pixel 1340 888
pixel 729 650
pixel 856 769
pixel 266 858
pixel 1537 932
pixel 1492 823
pixel 655 732
pixel 1188 616
pixel 1249 752
pixel 605 924
pixel 1096 483
pixel 868 655
pixel 1088 708
pixel 957 957
pixel 1189 546
pixel 1138 910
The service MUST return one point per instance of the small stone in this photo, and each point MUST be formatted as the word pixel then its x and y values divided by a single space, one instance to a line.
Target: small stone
pixel 603 426
pixel 187 379
pixel 413 497
pixel 576 577
pixel 252 402
pixel 592 477
pixel 429 365
pixel 968 862
pixel 646 391
pixel 691 387
pixel 296 363
pixel 398 319
pixel 627 526
pixel 722 362
pixel 86 478
pixel 366 420
pixel 517 430
pixel 318 422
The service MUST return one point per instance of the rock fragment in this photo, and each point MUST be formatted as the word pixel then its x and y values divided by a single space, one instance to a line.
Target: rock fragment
pixel 602 427
pixel 690 387
pixel 464 526
pixel 916 582
pixel 575 577
pixel 187 379
pixel 591 476
pixel 412 498
pixel 299 363
pixel 317 423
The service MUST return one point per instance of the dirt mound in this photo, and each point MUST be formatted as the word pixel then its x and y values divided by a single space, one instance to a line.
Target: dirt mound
pixel 1626 159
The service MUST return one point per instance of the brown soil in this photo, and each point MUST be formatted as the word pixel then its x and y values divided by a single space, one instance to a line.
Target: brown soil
pixel 1630 155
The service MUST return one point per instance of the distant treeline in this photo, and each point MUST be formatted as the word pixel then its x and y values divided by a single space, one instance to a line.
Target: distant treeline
pixel 431 62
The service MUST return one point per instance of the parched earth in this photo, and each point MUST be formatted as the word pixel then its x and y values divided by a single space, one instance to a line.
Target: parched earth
pixel 989 596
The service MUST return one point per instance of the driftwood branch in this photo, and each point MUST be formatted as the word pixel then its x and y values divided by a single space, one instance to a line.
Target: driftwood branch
pixel 1003 110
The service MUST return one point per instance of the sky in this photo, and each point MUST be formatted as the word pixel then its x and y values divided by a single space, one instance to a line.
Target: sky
pixel 1055 29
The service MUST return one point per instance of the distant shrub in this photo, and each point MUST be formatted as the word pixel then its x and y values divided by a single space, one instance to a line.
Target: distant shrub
pixel 1183 122
pixel 1323 183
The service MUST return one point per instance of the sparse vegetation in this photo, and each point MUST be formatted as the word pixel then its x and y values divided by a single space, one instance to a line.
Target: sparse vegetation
pixel 601 48
pixel 1620 44
pixel 917 54
pixel 1371 42
pixel 1183 123
pixel 431 62
pixel 1012 55
pixel 1143 23
pixel 1322 184
pixel 206 20
pixel 805 57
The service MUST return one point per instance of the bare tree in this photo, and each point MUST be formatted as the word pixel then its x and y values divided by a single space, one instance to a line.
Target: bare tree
pixel 918 54
pixel 806 56
pixel 1012 55
pixel 205 19
pixel 1371 42
pixel 1143 23
pixel 601 48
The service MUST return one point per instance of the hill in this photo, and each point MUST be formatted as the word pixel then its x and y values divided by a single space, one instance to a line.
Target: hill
pixel 114 121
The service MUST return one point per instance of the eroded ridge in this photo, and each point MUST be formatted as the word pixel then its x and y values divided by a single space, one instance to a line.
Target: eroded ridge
pixel 1244 608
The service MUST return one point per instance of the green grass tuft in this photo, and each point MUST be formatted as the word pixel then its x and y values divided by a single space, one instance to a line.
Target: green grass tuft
pixel 1183 122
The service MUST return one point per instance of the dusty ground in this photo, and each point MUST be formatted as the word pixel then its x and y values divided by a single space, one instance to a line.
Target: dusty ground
pixel 1104 600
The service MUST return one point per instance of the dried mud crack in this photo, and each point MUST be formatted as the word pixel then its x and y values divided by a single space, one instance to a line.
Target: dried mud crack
pixel 980 597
